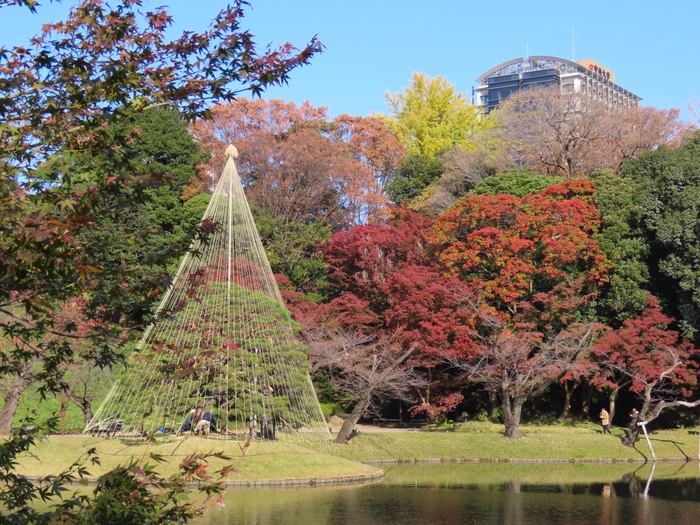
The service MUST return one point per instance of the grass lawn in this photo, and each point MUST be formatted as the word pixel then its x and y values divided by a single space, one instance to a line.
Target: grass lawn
pixel 475 440
pixel 263 461
pixel 474 474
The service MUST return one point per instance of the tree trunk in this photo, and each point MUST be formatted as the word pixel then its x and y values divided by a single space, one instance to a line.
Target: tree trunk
pixel 613 399
pixel 634 429
pixel 632 434
pixel 493 402
pixel 87 412
pixel 587 398
pixel 7 414
pixel 569 388
pixel 345 432
pixel 84 403
pixel 511 416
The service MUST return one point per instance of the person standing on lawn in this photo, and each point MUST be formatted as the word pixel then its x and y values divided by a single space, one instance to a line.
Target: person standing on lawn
pixel 605 421
pixel 634 418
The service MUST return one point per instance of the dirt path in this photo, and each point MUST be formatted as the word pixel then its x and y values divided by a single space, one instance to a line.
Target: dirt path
pixel 371 429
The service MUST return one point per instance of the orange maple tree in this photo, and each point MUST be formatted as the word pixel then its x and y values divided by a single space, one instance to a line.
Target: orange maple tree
pixel 516 247
pixel 300 165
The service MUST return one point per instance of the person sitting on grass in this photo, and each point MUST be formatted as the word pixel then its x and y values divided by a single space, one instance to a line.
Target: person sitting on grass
pixel 187 425
pixel 205 425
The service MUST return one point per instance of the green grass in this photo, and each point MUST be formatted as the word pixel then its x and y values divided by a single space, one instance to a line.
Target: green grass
pixel 461 474
pixel 43 409
pixel 482 441
pixel 486 441
pixel 263 461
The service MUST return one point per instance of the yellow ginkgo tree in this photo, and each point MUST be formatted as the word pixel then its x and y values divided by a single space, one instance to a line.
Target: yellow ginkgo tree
pixel 430 116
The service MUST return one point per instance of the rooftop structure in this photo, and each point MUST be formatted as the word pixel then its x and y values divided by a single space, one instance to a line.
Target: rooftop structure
pixel 584 76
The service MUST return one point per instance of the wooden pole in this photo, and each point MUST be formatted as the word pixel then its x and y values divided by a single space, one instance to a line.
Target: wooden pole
pixel 643 424
pixel 63 414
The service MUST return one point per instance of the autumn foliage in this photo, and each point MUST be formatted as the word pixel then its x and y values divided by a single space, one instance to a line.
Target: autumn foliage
pixel 300 165
pixel 502 288
pixel 514 247
pixel 387 268
pixel 571 135
pixel 642 350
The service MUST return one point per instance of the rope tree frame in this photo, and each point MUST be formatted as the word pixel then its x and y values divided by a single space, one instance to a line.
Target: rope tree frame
pixel 222 358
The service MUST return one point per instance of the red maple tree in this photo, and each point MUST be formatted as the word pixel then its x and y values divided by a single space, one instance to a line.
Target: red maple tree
pixel 388 267
pixel 361 259
pixel 651 360
pixel 515 361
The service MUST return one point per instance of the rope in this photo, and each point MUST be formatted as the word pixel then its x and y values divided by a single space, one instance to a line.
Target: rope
pixel 221 341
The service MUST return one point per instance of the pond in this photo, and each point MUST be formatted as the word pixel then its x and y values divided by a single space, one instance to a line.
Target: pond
pixel 482 494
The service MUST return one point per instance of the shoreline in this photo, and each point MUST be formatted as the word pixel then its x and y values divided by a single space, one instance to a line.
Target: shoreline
pixel 557 461
pixel 358 480
pixel 260 483
pixel 368 455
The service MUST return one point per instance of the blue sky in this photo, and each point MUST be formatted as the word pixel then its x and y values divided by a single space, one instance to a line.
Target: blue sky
pixel 375 46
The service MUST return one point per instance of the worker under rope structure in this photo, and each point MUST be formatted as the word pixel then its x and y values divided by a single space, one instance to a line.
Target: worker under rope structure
pixel 221 359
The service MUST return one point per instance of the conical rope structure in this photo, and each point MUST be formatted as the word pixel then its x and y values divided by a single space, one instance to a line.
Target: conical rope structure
pixel 222 358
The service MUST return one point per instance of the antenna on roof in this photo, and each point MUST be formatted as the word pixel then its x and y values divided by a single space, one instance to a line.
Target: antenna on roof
pixel 527 51
pixel 573 55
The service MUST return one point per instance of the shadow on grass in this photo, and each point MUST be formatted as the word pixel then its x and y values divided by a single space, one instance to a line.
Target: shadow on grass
pixel 377 444
pixel 622 442
pixel 676 444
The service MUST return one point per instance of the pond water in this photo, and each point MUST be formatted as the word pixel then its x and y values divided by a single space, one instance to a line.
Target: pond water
pixel 482 494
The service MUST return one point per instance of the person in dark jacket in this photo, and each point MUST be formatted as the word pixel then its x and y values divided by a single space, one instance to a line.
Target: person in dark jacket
pixel 634 418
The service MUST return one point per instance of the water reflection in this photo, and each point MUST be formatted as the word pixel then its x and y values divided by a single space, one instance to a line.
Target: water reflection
pixel 449 494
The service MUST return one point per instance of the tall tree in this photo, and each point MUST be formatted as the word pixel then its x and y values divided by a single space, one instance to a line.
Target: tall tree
pixel 571 134
pixel 146 239
pixel 553 132
pixel 366 368
pixel 389 286
pixel 242 120
pixel 62 95
pixel 370 141
pixel 624 239
pixel 652 361
pixel 293 251
pixel 517 363
pixel 413 176
pixel 303 177
pixel 670 197
pixel 361 259
pixel 297 165
pixel 516 247
pixel 429 116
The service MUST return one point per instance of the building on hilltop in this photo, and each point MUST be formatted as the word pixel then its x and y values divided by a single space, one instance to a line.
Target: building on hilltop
pixel 584 76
